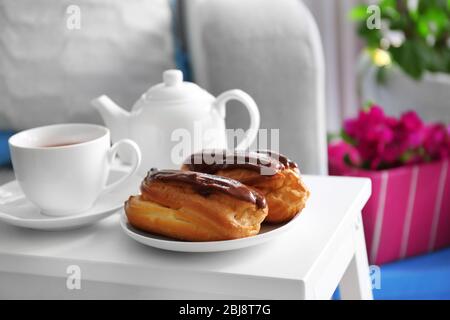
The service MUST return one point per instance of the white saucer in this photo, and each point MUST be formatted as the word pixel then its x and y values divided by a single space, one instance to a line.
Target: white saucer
pixel 15 209
pixel 268 232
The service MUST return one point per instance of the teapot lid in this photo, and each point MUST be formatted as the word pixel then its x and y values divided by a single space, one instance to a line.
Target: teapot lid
pixel 174 89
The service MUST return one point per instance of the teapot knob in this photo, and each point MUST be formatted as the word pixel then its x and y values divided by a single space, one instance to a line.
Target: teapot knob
pixel 172 77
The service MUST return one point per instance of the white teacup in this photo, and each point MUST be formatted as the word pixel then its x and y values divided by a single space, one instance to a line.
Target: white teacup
pixel 64 168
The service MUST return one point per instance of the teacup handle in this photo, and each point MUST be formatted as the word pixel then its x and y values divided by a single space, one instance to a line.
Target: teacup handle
pixel 252 108
pixel 136 161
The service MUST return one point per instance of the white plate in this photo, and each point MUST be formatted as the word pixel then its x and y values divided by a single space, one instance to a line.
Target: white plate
pixel 268 232
pixel 15 209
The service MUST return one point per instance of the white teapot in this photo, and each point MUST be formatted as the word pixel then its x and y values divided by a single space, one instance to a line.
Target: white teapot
pixel 174 119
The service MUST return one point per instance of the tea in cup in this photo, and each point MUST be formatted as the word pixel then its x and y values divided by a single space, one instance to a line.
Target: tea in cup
pixel 64 168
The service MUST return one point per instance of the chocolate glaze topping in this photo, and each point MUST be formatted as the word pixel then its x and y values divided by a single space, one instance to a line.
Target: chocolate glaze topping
pixel 266 162
pixel 288 163
pixel 206 184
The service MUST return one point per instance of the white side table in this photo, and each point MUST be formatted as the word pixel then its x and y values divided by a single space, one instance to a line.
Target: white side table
pixel 324 249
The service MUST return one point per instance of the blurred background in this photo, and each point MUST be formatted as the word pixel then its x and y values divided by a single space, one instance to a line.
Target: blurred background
pixel 316 68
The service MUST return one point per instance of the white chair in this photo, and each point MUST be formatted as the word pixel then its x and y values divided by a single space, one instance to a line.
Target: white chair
pixel 271 50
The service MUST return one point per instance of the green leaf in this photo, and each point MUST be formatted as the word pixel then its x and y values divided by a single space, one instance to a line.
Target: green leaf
pixel 348 160
pixel 347 138
pixel 410 58
pixel 390 13
pixel 406 156
pixel 430 20
pixel 331 136
pixel 435 60
pixel 372 36
pixel 367 105
pixel 365 165
pixel 381 75
pixel 359 13
pixel 422 27
pixel 436 14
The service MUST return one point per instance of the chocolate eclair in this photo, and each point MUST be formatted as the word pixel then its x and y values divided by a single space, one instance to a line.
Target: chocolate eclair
pixel 213 161
pixel 196 206
pixel 271 173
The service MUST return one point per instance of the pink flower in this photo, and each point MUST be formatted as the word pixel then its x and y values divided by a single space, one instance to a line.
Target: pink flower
pixel 408 135
pixel 374 135
pixel 411 129
pixel 360 127
pixel 381 141
pixel 437 141
pixel 411 121
pixel 341 153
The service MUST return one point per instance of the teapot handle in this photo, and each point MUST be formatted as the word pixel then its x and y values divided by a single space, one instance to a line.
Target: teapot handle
pixel 249 103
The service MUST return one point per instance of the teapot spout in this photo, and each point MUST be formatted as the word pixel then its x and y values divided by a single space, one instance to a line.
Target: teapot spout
pixel 115 118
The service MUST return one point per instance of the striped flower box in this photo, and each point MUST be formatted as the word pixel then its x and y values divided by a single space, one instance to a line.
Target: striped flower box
pixel 409 211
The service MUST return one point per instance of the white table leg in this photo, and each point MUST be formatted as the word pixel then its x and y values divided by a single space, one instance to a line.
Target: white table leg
pixel 356 284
